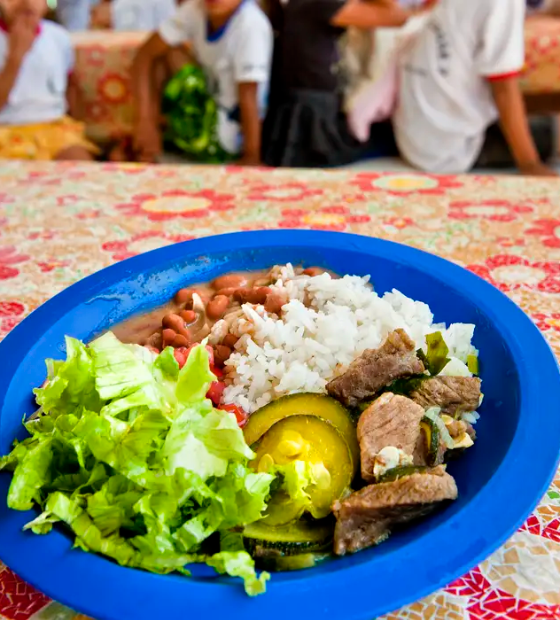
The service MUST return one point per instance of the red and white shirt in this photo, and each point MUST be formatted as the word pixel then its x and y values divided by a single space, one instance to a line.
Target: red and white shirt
pixel 445 100
pixel 39 92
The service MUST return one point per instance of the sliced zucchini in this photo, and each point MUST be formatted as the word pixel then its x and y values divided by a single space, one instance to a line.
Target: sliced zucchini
pixel 401 472
pixel 292 562
pixel 318 405
pixel 311 439
pixel 298 537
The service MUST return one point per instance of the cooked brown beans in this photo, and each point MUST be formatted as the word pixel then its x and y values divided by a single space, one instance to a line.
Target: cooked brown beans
pixel 168 336
pixel 180 341
pixel 228 292
pixel 230 341
pixel 189 316
pixel 313 271
pixel 216 308
pixel 221 354
pixel 252 295
pixel 274 303
pixel 231 280
pixel 175 322
pixel 184 296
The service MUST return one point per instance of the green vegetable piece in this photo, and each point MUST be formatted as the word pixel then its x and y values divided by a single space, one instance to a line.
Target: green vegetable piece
pixel 472 364
pixel 436 358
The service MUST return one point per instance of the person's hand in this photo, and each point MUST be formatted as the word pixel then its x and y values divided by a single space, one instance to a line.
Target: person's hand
pixel 21 36
pixel 147 142
pixel 537 170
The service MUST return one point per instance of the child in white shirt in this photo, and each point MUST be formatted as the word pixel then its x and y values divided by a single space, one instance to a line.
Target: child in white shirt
pixel 232 42
pixel 36 60
pixel 457 79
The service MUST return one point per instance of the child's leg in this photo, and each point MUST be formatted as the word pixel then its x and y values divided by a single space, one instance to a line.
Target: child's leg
pixel 74 153
pixel 496 153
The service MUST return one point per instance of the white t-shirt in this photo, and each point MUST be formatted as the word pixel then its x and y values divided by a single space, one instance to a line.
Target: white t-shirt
pixel 239 52
pixel 39 92
pixel 143 15
pixel 445 99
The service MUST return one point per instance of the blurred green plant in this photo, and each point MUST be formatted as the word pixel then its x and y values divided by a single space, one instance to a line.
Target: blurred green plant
pixel 192 116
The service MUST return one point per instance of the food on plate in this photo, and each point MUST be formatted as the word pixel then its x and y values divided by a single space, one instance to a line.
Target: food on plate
pixel 366 517
pixel 377 368
pixel 263 420
pixel 391 421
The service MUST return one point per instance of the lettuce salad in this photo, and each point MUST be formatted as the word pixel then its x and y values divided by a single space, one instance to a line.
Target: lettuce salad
pixel 128 452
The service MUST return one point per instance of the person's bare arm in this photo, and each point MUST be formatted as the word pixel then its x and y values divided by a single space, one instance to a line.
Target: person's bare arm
pixel 250 124
pixel 515 125
pixel 372 14
pixel 75 99
pixel 20 40
pixel 147 135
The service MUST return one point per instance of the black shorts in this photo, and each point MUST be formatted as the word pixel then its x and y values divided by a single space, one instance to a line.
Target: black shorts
pixel 496 153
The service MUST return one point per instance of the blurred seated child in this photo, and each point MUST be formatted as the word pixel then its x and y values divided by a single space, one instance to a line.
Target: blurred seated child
pixel 36 87
pixel 306 125
pixel 460 104
pixel 132 15
pixel 231 40
pixel 74 15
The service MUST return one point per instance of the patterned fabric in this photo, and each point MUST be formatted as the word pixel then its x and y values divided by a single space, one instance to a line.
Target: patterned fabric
pixel 42 141
pixel 60 222
pixel 542 55
pixel 103 61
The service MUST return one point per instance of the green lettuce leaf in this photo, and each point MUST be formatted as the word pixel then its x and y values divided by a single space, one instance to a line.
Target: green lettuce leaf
pixel 240 564
pixel 129 453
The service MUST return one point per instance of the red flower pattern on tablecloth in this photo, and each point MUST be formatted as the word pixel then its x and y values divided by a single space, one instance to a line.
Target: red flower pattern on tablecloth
pixel 113 88
pixel 399 222
pixel 549 229
pixel 126 248
pixel 508 242
pixel 547 321
pixel 89 214
pixel 283 192
pixel 126 167
pixel 404 183
pixel 178 203
pixel 94 55
pixel 8 257
pixel 44 234
pixel 328 218
pixel 18 601
pixel 495 210
pixel 11 313
pixel 52 264
pixel 509 273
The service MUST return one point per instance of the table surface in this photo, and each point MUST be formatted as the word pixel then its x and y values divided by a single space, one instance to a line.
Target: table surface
pixel 60 222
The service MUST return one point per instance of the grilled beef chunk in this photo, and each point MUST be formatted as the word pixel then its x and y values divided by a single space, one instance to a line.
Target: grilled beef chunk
pixel 376 368
pixel 365 518
pixel 452 394
pixel 389 421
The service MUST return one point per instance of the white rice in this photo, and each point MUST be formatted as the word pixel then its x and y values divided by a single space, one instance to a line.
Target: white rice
pixel 312 343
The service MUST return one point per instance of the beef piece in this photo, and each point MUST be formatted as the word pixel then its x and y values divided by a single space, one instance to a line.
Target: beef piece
pixel 376 368
pixel 449 393
pixel 389 421
pixel 367 517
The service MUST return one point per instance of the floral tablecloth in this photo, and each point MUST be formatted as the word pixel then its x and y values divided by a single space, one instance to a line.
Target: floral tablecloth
pixel 61 222
pixel 104 58
pixel 103 63
pixel 542 55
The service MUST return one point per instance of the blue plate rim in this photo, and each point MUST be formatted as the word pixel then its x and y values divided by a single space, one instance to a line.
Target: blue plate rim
pixel 468 544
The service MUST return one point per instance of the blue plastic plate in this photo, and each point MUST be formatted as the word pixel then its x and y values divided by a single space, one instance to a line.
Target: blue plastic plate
pixel 500 479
